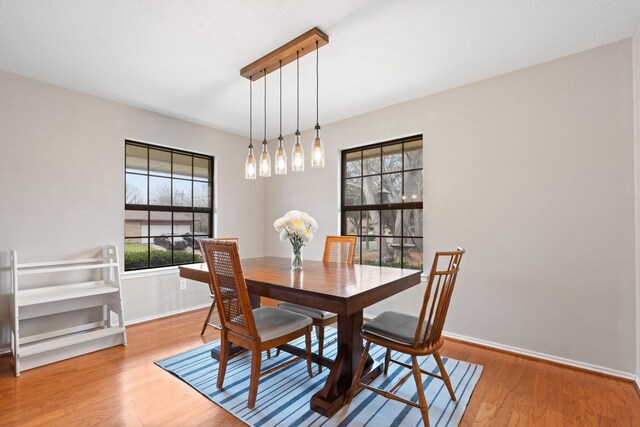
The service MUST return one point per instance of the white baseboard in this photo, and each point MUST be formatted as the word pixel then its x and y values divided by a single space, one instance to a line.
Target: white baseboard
pixel 166 314
pixel 548 357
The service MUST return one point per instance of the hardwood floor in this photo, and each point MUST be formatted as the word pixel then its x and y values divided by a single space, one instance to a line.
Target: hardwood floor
pixel 122 386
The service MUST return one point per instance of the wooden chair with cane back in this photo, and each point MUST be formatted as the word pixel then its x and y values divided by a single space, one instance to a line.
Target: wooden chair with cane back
pixel 336 249
pixel 207 320
pixel 415 336
pixel 257 329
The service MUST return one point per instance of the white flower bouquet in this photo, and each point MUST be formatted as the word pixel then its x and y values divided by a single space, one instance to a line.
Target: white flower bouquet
pixel 297 227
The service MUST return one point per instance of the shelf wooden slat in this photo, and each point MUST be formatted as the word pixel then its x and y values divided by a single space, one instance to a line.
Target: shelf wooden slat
pixel 66 341
pixel 63 292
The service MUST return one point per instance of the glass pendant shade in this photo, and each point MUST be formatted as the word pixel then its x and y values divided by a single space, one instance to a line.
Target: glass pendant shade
pixel 281 158
pixel 250 166
pixel 265 161
pixel 317 151
pixel 297 155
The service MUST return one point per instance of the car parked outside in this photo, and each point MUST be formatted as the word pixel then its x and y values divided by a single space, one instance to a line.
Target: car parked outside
pixel 178 243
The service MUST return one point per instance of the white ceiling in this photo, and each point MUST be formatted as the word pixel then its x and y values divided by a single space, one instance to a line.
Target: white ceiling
pixel 182 58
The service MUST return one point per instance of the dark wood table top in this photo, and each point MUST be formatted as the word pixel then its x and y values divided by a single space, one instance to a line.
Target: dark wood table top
pixel 336 287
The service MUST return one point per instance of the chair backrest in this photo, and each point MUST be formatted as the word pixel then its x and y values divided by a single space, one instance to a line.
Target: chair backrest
pixel 229 286
pixel 229 239
pixel 437 297
pixel 339 249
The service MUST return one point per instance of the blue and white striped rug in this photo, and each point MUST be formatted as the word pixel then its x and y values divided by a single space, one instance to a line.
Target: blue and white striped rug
pixel 284 395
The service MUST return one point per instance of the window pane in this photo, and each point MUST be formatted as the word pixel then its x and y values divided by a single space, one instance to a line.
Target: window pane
pixel 371 161
pixel 391 223
pixel 159 162
pixel 392 158
pixel 182 166
pixel 413 155
pixel 160 252
pixel 413 222
pixel 371 190
pixel 354 164
pixel 136 158
pixel 353 223
pixel 159 191
pixel 413 186
pixel 136 223
pixel 201 169
pixel 182 223
pixel 182 252
pixel 353 191
pixel 392 188
pixel 201 194
pixel 136 253
pixel 371 223
pixel 181 192
pixel 160 223
pixel 413 254
pixel 136 189
pixel 202 224
pixel 371 250
pixel 391 251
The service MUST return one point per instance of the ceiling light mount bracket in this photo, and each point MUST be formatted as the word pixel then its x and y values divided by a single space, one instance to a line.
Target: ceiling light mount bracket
pixel 285 54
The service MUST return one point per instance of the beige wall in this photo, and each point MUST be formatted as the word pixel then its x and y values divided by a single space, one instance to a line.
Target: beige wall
pixel 533 173
pixel 62 183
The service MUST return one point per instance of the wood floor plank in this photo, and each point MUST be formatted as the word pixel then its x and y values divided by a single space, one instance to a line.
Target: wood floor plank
pixel 121 386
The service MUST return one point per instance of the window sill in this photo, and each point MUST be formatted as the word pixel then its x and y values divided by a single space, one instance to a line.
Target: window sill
pixel 136 274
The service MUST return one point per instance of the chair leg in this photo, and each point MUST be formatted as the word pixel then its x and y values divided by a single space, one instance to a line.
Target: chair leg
pixel 269 354
pixel 224 358
pixel 206 320
pixel 424 409
pixel 444 375
pixel 356 377
pixel 320 335
pixel 256 358
pixel 387 361
pixel 307 342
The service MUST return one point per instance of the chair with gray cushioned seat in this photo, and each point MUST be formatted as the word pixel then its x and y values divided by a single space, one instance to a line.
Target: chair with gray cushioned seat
pixel 336 249
pixel 257 329
pixel 415 336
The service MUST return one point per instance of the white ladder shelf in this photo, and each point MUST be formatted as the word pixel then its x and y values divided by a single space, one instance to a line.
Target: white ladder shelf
pixel 53 321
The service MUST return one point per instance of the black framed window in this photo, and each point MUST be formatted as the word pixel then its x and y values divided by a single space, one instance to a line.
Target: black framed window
pixel 168 205
pixel 382 202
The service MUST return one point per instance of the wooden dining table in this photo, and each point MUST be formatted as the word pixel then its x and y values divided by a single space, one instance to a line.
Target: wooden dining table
pixel 336 287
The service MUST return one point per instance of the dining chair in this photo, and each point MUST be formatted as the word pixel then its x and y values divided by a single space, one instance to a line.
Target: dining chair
pixel 336 249
pixel 207 320
pixel 256 329
pixel 414 336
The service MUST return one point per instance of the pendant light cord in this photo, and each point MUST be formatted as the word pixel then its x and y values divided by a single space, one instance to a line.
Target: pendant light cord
pixel 265 106
pixel 281 100
pixel 250 112
pixel 297 91
pixel 317 84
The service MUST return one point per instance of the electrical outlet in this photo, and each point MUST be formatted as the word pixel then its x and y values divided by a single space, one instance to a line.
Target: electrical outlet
pixel 183 284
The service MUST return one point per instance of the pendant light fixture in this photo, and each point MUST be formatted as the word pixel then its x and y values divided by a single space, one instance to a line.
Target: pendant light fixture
pixel 291 51
pixel 317 149
pixel 297 152
pixel 281 154
pixel 265 159
pixel 250 164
